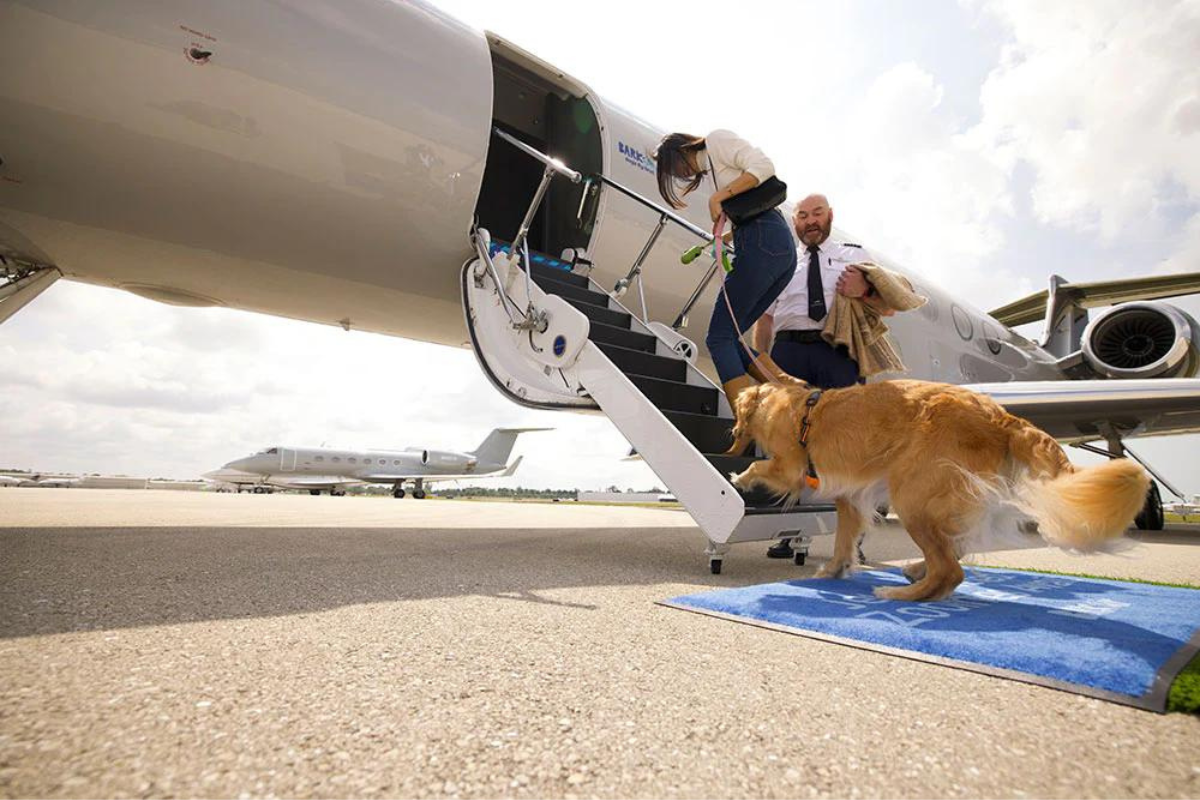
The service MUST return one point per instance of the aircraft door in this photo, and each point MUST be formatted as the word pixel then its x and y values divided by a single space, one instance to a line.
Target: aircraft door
pixel 287 460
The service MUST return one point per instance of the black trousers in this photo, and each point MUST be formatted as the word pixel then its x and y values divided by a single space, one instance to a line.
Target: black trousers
pixel 819 363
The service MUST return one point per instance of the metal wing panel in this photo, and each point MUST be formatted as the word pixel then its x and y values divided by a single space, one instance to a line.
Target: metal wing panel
pixel 1077 410
pixel 1095 294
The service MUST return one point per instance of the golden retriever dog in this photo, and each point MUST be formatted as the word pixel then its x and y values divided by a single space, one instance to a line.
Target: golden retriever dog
pixel 945 456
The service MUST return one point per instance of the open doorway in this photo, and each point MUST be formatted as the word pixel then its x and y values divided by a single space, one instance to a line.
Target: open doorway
pixel 555 118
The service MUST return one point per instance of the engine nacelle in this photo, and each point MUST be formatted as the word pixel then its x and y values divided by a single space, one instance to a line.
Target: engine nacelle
pixel 440 459
pixel 1143 340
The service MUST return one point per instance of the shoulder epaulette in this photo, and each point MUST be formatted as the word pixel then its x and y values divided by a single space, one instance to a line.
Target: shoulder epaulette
pixel 851 244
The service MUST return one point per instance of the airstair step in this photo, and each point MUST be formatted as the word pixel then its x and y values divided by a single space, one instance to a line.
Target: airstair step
pixel 570 291
pixel 560 275
pixel 618 319
pixel 707 433
pixel 669 395
pixel 622 337
pixel 636 362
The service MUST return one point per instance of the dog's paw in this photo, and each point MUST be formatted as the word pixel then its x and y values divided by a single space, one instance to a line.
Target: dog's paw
pixel 914 571
pixel 834 569
pixel 739 480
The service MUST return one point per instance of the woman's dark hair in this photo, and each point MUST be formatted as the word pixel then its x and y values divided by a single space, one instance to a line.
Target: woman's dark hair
pixel 671 160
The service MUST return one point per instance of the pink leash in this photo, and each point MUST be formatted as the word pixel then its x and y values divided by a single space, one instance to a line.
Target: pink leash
pixel 719 242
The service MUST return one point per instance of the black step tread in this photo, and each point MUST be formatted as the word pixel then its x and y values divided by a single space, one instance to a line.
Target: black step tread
pixel 560 275
pixel 677 396
pixel 707 433
pixel 569 291
pixel 618 319
pixel 637 362
pixel 622 337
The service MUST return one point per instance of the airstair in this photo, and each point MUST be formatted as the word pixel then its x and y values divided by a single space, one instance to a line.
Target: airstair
pixel 549 336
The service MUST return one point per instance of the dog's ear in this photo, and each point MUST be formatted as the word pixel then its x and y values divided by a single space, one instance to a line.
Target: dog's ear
pixel 743 410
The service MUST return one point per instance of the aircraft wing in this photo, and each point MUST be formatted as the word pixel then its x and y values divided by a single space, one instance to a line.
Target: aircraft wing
pixel 1099 293
pixel 1078 411
pixel 311 481
pixel 379 477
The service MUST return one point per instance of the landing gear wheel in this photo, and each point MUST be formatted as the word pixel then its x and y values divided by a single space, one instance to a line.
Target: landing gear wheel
pixel 398 494
pixel 1151 517
pixel 419 494
pixel 800 557
pixel 314 492
pixel 714 566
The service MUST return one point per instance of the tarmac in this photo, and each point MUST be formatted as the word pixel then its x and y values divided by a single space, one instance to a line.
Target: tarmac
pixel 159 644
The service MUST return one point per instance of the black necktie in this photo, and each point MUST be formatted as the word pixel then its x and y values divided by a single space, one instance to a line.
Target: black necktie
pixel 816 290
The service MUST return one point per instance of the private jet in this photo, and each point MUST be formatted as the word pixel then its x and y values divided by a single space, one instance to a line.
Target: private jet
pixel 381 166
pixel 320 469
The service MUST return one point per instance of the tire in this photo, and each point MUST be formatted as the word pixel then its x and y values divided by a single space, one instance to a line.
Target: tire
pixel 714 566
pixel 800 557
pixel 1152 517
pixel 398 493
pixel 314 492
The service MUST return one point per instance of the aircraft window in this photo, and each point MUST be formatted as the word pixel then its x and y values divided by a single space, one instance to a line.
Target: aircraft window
pixel 366 461
pixel 962 323
pixel 396 463
pixel 352 460
pixel 320 458
pixel 337 460
pixel 273 451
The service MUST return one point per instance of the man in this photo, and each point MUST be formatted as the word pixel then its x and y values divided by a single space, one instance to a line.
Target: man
pixel 794 321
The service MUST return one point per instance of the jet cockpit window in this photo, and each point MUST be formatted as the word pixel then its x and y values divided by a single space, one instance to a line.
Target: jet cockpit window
pixel 274 451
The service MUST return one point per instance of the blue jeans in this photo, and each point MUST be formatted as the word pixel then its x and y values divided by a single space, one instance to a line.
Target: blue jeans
pixel 766 261
pixel 818 363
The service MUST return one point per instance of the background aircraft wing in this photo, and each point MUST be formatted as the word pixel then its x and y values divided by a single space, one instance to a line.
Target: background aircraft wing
pixel 1078 411
pixel 1099 293
pixel 312 481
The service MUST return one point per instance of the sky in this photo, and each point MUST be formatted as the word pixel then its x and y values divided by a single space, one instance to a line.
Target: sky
pixel 984 144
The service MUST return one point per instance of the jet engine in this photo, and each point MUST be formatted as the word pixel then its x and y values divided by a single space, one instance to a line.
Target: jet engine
pixel 1142 340
pixel 441 459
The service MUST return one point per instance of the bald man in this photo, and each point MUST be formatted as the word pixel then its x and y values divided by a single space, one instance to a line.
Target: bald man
pixel 791 328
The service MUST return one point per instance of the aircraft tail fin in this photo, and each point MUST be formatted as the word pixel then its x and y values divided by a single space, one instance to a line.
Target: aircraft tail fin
pixel 499 444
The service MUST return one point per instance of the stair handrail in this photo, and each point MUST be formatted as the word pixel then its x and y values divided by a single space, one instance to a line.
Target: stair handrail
pixel 534 319
pixel 635 272
pixel 553 167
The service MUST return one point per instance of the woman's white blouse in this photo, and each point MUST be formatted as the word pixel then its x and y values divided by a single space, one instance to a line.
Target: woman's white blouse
pixel 732 155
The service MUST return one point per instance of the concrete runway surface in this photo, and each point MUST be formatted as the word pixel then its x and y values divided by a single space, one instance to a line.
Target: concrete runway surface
pixel 174 644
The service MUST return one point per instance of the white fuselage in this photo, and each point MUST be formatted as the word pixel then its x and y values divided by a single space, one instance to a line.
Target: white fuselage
pixel 324 161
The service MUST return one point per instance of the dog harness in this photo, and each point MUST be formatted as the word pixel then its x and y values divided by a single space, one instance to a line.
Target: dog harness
pixel 813 398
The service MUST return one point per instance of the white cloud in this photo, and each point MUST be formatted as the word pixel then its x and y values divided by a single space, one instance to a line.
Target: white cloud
pixel 1101 99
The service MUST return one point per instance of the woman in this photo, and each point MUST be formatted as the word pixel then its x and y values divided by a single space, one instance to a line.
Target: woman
pixel 766 253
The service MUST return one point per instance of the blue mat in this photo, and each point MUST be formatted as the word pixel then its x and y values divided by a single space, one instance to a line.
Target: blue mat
pixel 1119 641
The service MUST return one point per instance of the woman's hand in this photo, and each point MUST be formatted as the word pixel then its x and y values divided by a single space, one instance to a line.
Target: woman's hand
pixel 714 204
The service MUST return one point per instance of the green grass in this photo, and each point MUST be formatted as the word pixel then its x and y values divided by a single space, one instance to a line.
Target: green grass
pixel 1086 575
pixel 1185 690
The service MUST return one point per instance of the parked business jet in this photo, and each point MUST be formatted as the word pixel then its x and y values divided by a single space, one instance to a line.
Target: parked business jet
pixel 320 469
pixel 383 167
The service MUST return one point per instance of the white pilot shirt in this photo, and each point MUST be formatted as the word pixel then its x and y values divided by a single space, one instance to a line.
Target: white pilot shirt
pixel 790 309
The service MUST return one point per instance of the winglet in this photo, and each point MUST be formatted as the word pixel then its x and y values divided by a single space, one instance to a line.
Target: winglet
pixel 511 468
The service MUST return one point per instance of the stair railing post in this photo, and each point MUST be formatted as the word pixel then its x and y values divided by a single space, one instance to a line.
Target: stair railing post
pixel 635 272
pixel 519 248
pixel 681 321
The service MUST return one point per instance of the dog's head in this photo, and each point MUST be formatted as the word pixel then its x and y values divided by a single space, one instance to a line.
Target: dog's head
pixel 760 409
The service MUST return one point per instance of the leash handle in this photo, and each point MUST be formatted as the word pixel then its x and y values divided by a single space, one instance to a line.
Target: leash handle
pixel 718 244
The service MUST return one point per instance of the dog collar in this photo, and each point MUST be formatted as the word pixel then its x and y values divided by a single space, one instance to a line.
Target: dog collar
pixel 813 398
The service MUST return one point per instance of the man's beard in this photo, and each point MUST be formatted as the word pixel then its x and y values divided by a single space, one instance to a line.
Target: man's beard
pixel 816 234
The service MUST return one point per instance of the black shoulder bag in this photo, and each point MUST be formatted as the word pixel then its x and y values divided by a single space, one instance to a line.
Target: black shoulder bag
pixel 741 208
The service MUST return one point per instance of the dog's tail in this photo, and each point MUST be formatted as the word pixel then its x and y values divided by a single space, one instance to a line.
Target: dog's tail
pixel 1081 508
